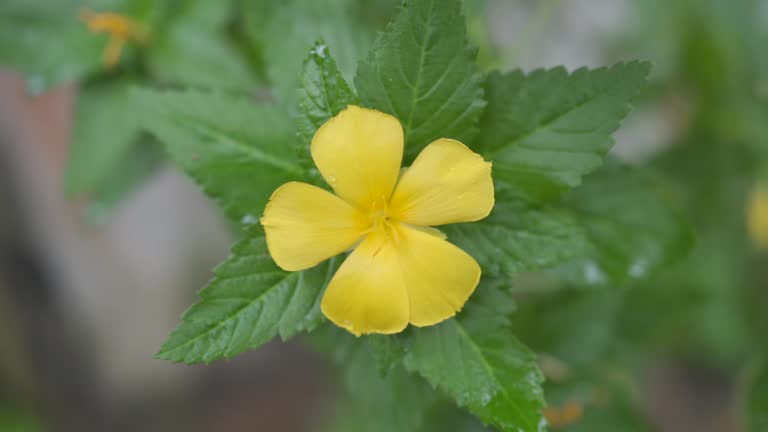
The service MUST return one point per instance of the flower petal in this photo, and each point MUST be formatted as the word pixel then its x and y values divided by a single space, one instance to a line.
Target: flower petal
pixel 359 153
pixel 439 277
pixel 367 293
pixel 447 183
pixel 306 225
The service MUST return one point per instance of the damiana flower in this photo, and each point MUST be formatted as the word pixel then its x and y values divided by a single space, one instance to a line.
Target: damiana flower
pixel 120 29
pixel 757 215
pixel 399 270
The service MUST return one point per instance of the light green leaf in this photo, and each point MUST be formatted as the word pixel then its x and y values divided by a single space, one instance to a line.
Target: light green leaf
pixel 248 302
pixel 238 151
pixel 192 49
pixel 136 166
pixel 632 229
pixel 323 93
pixel 422 71
pixel 519 237
pixel 476 360
pixel 106 126
pixel 545 130
pixel 285 30
pixel 48 44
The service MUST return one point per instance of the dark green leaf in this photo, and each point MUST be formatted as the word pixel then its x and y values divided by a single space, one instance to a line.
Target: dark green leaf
pixel 302 314
pixel 396 401
pixel 19 418
pixel 248 302
pixel 757 398
pixel 237 150
pixel 476 360
pixel 519 237
pixel 545 130
pixel 422 71
pixel 632 229
pixel 387 351
pixel 591 316
pixel 323 93
pixel 606 407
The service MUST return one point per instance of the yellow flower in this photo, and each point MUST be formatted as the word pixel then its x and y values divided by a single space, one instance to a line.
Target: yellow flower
pixel 757 215
pixel 120 29
pixel 400 270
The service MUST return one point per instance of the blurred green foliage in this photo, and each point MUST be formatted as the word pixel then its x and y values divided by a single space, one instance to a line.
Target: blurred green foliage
pixel 622 288
pixel 15 419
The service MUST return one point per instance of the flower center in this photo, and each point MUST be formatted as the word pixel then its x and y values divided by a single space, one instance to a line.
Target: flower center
pixel 380 221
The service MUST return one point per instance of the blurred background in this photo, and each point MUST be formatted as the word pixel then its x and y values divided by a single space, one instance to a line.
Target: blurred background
pixel 97 263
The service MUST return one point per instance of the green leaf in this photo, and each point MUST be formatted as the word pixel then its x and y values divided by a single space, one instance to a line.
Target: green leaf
pixel 387 351
pixel 395 401
pixel 592 317
pixel 285 30
pixel 519 237
pixel 19 418
pixel 192 49
pixel 607 406
pixel 106 126
pixel 248 302
pixel 238 151
pixel 138 164
pixel 422 71
pixel 323 93
pixel 47 43
pixel 476 360
pixel 757 398
pixel 545 130
pixel 632 229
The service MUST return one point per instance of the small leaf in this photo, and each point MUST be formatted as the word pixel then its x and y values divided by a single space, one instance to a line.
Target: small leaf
pixel 476 360
pixel 137 165
pixel 323 93
pixel 422 71
pixel 519 237
pixel 192 49
pixel 48 42
pixel 396 401
pixel 248 302
pixel 545 130
pixel 284 30
pixel 106 127
pixel 237 150
pixel 632 229
pixel 387 350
